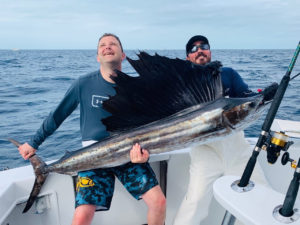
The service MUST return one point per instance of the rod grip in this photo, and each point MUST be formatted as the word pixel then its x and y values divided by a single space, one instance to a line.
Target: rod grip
pixel 248 170
pixel 291 195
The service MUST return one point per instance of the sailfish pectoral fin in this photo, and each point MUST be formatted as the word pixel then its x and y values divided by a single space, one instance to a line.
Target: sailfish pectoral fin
pixel 227 122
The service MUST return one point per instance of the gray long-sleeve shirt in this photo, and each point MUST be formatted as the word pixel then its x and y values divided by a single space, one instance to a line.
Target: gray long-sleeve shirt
pixel 89 91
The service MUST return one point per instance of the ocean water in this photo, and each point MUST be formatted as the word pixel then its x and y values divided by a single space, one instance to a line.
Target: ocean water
pixel 32 82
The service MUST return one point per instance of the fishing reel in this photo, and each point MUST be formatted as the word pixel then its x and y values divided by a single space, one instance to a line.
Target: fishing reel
pixel 276 142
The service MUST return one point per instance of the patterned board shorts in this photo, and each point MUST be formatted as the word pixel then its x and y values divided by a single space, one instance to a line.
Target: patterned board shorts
pixel 96 187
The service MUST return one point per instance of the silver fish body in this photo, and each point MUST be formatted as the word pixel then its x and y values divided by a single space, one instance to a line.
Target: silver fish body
pixel 196 125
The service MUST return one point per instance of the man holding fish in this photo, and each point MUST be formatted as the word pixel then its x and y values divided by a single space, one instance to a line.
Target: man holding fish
pixel 94 189
pixel 211 161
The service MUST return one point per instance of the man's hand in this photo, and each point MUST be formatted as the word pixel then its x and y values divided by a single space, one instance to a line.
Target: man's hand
pixel 26 150
pixel 270 91
pixel 138 155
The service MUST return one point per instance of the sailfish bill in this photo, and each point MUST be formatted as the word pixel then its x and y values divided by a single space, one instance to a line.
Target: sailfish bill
pixel 172 104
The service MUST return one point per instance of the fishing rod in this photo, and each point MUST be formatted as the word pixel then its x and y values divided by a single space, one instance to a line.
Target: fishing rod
pixel 265 133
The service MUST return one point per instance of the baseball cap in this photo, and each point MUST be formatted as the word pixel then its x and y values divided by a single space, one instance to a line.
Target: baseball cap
pixel 192 40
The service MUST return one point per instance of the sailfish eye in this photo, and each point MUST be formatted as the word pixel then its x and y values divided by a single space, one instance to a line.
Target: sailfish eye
pixel 252 104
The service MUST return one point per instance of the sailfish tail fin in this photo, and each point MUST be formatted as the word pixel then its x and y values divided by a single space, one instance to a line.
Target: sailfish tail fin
pixel 40 176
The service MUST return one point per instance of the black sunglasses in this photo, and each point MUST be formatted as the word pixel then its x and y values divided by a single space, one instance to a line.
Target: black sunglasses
pixel 201 46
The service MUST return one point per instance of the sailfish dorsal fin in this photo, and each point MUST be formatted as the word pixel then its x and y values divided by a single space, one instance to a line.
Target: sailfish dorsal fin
pixel 164 87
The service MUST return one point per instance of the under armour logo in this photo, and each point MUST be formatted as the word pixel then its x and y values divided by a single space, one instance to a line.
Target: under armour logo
pixel 97 100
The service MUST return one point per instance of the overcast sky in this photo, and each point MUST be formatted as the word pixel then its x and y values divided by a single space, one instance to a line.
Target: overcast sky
pixel 153 24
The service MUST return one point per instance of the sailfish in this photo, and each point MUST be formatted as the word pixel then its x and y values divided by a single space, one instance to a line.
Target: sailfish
pixel 171 104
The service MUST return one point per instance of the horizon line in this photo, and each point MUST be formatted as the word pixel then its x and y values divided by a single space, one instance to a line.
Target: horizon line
pixel 39 49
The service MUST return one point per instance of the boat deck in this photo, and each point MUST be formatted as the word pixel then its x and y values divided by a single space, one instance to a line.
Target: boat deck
pixel 56 200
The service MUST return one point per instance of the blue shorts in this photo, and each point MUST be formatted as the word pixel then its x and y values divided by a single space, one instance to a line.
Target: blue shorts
pixel 96 187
